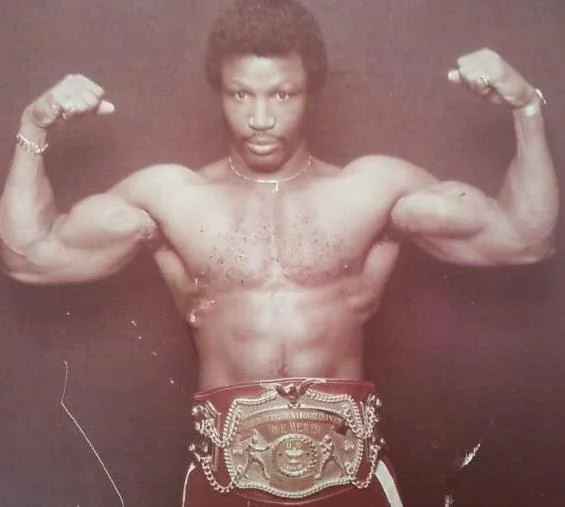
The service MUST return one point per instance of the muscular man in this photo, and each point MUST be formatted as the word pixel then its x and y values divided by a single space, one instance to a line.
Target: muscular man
pixel 274 257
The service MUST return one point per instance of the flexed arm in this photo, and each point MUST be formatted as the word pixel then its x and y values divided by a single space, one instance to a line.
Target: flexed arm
pixel 39 244
pixel 459 223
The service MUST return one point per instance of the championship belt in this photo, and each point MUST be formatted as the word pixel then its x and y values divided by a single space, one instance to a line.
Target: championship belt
pixel 289 438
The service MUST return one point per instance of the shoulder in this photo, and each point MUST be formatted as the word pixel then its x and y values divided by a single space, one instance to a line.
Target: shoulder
pixel 389 172
pixel 382 166
pixel 215 172
pixel 162 173
pixel 151 180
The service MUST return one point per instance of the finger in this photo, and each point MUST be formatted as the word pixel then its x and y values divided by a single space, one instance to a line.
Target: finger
pixel 476 80
pixel 454 76
pixel 86 98
pixel 62 101
pixel 71 109
pixel 80 104
pixel 105 107
pixel 89 84
pixel 78 108
pixel 91 93
pixel 76 102
pixel 76 85
pixel 494 97
pixel 480 82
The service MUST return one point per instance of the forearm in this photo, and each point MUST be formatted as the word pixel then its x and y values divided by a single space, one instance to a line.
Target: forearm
pixel 529 194
pixel 459 223
pixel 27 206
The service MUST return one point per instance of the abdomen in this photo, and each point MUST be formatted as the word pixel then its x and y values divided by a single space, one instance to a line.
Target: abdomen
pixel 255 335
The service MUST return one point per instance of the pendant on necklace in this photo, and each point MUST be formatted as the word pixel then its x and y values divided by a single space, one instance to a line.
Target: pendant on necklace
pixel 276 183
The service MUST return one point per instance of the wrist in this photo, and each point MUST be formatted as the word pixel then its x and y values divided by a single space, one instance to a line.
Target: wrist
pixel 31 137
pixel 33 124
pixel 33 133
pixel 533 107
pixel 30 146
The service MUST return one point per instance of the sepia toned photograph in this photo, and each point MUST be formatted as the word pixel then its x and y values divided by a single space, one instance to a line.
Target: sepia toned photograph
pixel 282 252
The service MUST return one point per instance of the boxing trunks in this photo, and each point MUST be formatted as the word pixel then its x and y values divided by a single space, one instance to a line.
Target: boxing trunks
pixel 296 441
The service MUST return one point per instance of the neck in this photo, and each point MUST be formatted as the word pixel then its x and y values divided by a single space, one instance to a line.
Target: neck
pixel 294 167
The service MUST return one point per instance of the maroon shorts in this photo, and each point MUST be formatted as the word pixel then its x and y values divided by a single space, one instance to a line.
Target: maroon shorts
pixel 289 442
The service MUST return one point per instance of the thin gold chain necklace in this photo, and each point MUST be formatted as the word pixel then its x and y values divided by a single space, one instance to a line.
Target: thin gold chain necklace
pixel 270 181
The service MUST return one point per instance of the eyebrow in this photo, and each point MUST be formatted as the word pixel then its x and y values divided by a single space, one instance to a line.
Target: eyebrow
pixel 282 85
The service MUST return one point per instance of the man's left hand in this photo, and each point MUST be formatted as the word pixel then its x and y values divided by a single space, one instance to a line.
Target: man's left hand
pixel 488 75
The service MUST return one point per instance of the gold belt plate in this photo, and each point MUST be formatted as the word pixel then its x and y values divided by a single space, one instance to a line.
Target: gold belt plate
pixel 292 442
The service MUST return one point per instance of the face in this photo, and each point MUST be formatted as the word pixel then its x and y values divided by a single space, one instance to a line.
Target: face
pixel 264 103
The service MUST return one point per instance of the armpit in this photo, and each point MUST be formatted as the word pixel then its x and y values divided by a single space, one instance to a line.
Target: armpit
pixel 392 232
pixel 151 232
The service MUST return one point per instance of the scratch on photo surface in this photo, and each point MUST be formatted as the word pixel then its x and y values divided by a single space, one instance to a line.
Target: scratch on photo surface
pixel 465 458
pixel 470 456
pixel 82 432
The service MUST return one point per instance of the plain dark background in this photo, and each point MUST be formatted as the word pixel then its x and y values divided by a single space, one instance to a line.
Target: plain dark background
pixel 459 354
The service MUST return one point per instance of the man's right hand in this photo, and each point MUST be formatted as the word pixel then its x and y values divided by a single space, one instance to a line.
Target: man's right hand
pixel 74 96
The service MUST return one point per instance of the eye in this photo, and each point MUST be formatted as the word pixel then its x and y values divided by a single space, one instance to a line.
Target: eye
pixel 240 95
pixel 282 96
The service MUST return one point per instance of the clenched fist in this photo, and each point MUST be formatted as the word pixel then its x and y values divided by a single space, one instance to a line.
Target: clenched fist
pixel 487 74
pixel 75 95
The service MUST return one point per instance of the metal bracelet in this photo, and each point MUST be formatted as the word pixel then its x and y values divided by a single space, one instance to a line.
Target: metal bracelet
pixel 30 146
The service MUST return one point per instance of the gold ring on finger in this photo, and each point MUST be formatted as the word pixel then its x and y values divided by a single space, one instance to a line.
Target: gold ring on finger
pixel 484 79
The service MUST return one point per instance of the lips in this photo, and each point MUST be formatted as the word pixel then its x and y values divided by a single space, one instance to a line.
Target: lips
pixel 262 145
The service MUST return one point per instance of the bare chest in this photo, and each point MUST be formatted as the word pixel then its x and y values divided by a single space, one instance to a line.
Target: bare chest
pixel 261 238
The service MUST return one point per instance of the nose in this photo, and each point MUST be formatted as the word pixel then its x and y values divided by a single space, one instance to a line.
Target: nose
pixel 262 117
